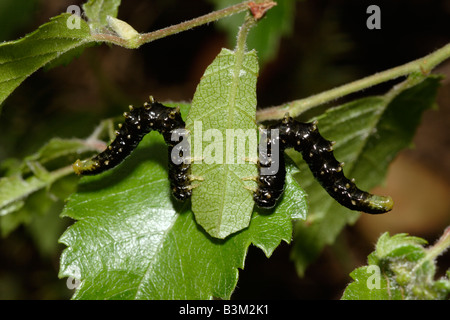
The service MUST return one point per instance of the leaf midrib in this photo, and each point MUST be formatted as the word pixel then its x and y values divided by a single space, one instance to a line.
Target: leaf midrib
pixel 238 62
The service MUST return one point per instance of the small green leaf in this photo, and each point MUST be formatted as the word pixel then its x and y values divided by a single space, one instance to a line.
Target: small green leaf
pixel 31 207
pixel 31 176
pixel 370 284
pixel 133 241
pixel 223 112
pixel 57 148
pixel 369 133
pixel 400 268
pixel 398 246
pixel 14 189
pixel 97 11
pixel 12 206
pixel 20 58
pixel 30 190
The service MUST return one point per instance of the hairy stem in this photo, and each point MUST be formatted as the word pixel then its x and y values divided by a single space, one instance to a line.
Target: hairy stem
pixel 436 250
pixel 141 39
pixel 297 107
pixel 242 35
pixel 440 247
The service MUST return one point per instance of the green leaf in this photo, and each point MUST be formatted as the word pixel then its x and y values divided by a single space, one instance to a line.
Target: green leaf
pixel 14 189
pixel 30 176
pixel 133 241
pixel 400 268
pixel 224 103
pixel 57 148
pixel 398 246
pixel 98 10
pixel 293 199
pixel 370 285
pixel 28 201
pixel 369 133
pixel 20 58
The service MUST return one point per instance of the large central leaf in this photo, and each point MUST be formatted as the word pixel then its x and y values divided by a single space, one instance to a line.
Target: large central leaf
pixel 222 117
pixel 133 241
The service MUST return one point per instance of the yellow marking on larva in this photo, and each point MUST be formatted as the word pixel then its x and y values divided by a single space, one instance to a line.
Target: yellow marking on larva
pixel 120 126
pixel 193 186
pixel 77 167
pixel 128 136
pixel 354 202
pixel 252 190
pixel 106 162
pixel 131 107
pixel 151 99
pixel 195 178
pixel 251 160
pixel 172 114
pixel 195 159
pixel 347 185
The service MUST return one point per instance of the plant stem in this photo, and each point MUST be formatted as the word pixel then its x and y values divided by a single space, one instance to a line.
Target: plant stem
pixel 436 250
pixel 440 246
pixel 242 35
pixel 297 107
pixel 155 35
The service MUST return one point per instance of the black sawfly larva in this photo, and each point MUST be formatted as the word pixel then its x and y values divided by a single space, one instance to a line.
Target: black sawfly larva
pixel 303 137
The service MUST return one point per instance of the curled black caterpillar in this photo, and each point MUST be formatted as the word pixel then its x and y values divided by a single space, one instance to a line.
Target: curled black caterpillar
pixel 288 133
pixel 138 122
pixel 318 154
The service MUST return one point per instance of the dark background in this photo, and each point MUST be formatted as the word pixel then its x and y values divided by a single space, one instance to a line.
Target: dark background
pixel 329 45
